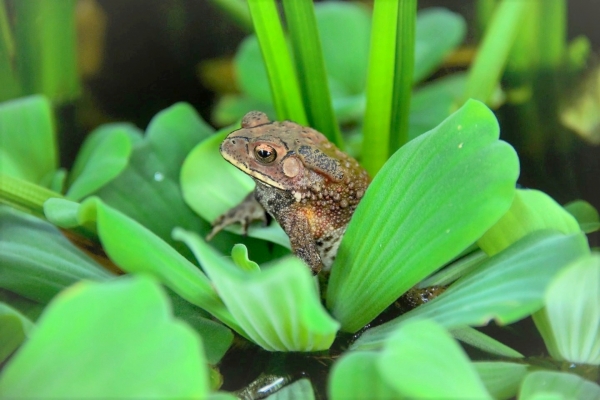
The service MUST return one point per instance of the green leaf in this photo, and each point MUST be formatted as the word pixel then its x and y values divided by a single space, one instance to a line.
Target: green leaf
pixel 37 261
pixel 216 337
pixel 299 390
pixel 439 31
pixel 148 189
pixel 433 198
pixel 530 211
pixel 239 255
pixel 481 341
pixel 110 340
pixel 501 379
pixel 421 360
pixel 507 287
pixel 492 55
pixel 135 249
pixel 310 66
pixel 570 321
pixel 585 214
pixel 356 376
pixel 29 308
pixel 27 139
pixel 14 328
pixel 103 156
pixel 278 308
pixel 380 85
pixel 547 384
pixel 251 74
pixel 211 186
pixel 344 30
pixel 46 42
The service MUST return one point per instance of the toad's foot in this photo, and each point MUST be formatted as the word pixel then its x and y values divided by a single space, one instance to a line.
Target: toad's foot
pixel 248 211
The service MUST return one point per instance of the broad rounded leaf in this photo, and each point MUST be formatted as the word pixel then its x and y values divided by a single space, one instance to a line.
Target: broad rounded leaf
pixel 103 156
pixel 36 259
pixel 421 360
pixel 438 32
pixel 549 384
pixel 501 379
pixel 250 71
pixel 299 390
pixel 278 308
pixel 14 328
pixel 108 340
pixel 433 198
pixel 27 139
pixel 344 30
pixel 356 377
pixel 148 189
pixel 507 287
pixel 570 321
pixel 585 214
pixel 530 211
pixel 211 186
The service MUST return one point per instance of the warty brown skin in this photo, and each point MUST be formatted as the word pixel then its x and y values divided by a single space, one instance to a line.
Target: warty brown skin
pixel 302 180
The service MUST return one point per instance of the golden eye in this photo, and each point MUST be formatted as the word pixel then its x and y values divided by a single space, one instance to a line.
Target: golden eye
pixel 265 154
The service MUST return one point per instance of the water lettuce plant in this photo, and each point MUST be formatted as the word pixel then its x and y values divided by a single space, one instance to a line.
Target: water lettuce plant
pixel 443 208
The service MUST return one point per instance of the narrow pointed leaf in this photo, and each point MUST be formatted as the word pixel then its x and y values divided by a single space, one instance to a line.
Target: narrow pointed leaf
pixel 507 287
pixel 433 198
pixel 278 307
pixel 570 320
pixel 481 341
pixel 421 360
pixel 549 384
pixel 530 211
pixel 108 340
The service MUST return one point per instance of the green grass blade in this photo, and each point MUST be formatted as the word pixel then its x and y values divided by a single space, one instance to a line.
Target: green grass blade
pixel 237 11
pixel 403 74
pixel 493 52
pixel 46 48
pixel 282 76
pixel 380 83
pixel 304 35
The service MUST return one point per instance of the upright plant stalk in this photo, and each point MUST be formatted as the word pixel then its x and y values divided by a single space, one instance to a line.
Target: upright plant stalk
pixel 493 52
pixel 380 85
pixel 237 11
pixel 278 61
pixel 310 65
pixel 9 83
pixel 403 74
pixel 46 48
pixel 484 9
pixel 24 195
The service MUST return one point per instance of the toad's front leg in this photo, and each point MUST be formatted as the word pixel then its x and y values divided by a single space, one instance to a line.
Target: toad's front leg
pixel 248 211
pixel 297 227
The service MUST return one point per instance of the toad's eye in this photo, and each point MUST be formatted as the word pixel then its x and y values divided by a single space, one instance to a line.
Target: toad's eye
pixel 265 154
